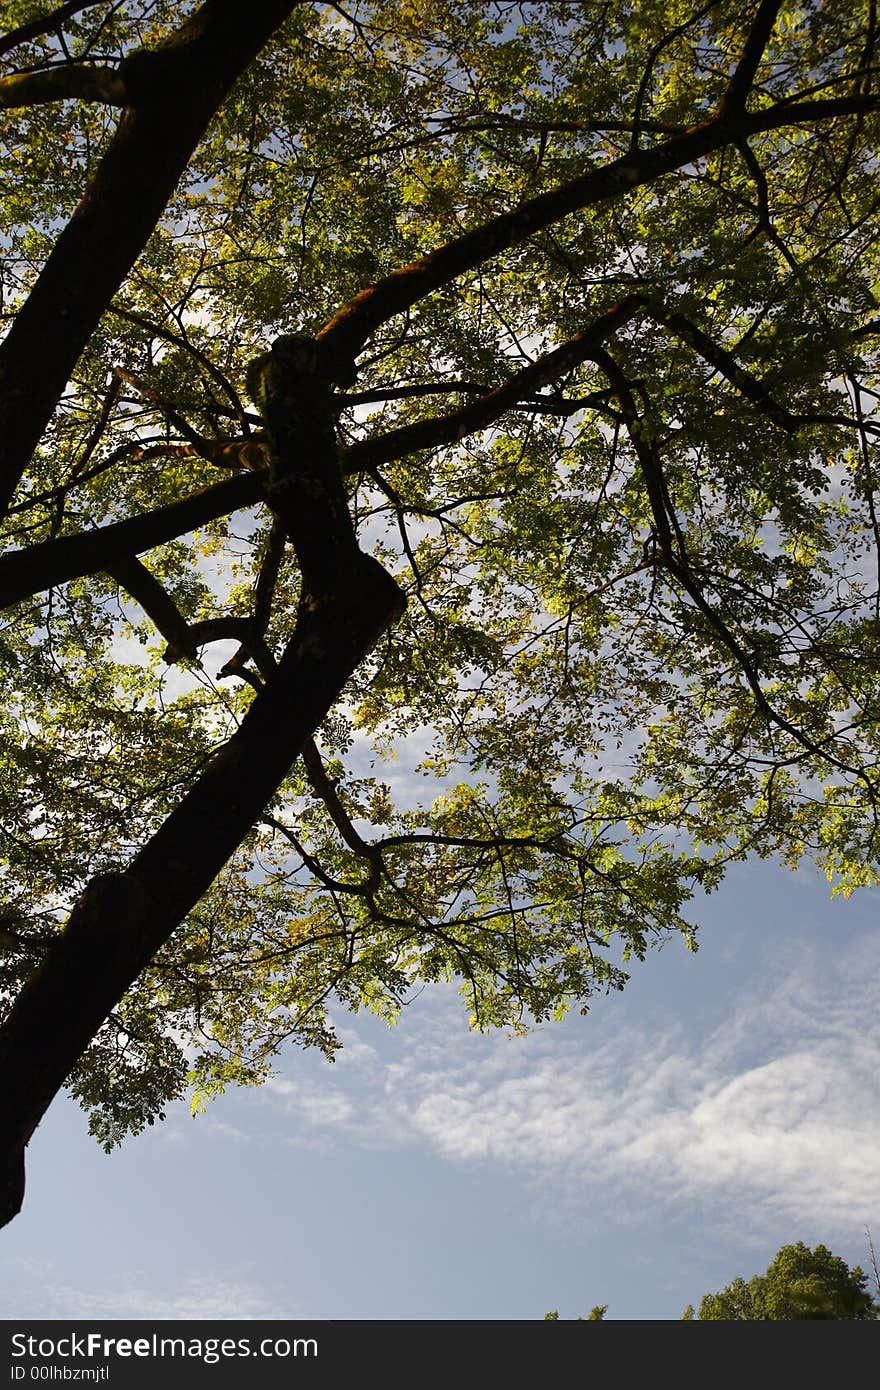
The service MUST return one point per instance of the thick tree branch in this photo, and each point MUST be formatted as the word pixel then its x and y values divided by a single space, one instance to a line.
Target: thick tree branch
pixel 27 572
pixel 221 629
pixel 804 113
pixel 477 415
pixel 158 605
pixel 268 577
pixel 68 81
pixel 445 429
pixel 344 336
pixel 599 126
pixel 304 488
pixel 548 405
pixel 738 88
pixel 326 790
pixel 173 92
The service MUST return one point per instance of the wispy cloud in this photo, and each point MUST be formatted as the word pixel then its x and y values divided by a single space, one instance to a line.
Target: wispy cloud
pixel 773 1111
pixel 204 1297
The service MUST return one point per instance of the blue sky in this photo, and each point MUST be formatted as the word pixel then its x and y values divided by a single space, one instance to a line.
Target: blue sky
pixel 724 1105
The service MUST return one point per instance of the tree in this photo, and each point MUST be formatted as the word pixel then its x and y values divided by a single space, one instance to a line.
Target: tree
pixel 596 1314
pixel 801 1284
pixel 493 382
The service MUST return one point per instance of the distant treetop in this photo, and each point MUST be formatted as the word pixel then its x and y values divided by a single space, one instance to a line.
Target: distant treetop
pixel 801 1284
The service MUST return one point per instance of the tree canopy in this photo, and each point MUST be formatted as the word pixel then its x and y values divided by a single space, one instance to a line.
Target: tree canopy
pixel 800 1285
pixel 596 1314
pixel 486 385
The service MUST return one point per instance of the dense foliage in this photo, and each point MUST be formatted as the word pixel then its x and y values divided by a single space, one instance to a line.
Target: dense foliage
pixel 800 1285
pixel 574 322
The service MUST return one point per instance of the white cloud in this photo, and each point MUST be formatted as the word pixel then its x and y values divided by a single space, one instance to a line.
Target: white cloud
pixel 774 1111
pixel 317 1105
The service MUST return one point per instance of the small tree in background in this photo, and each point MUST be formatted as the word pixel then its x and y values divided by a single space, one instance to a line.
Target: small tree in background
pixel 596 1314
pixel 800 1284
